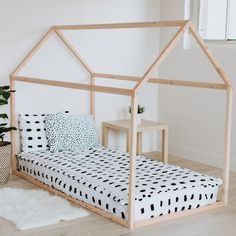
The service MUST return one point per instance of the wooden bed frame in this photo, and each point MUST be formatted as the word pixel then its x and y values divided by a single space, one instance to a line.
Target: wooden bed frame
pixel 132 93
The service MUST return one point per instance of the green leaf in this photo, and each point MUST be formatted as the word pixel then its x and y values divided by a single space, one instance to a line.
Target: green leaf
pixel 3 124
pixel 6 95
pixel 2 130
pixel 5 130
pixel 4 87
pixel 4 116
pixel 3 102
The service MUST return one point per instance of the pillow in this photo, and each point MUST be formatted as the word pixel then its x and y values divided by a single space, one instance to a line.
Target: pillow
pixel 32 132
pixel 71 132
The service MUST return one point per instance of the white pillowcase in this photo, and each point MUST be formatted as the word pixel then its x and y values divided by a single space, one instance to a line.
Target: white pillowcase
pixel 32 132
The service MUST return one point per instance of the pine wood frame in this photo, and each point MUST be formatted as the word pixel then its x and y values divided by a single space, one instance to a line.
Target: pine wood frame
pixel 92 87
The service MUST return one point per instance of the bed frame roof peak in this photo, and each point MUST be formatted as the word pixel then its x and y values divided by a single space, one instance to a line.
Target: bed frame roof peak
pixel 183 25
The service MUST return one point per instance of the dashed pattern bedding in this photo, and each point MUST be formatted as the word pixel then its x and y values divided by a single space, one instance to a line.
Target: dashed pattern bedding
pixel 100 177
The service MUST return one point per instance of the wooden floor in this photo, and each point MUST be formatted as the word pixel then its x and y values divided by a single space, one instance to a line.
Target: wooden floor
pixel 218 222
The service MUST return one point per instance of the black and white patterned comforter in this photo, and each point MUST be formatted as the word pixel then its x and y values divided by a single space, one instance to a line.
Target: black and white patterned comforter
pixel 100 177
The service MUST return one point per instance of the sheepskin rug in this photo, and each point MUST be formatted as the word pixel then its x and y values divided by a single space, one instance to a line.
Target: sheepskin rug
pixel 35 208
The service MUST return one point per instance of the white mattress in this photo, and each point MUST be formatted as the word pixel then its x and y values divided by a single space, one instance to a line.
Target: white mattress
pixel 100 177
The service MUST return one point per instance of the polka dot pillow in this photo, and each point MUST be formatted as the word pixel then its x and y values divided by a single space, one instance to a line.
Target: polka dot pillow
pixel 32 132
pixel 71 132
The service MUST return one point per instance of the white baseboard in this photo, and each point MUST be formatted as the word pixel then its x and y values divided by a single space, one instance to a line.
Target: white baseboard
pixel 200 156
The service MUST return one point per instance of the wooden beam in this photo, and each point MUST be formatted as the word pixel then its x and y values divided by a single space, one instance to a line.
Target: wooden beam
pixel 13 124
pixel 117 77
pixel 152 24
pixel 88 87
pixel 33 51
pixel 92 98
pixel 164 149
pixel 73 51
pixel 209 55
pixel 227 140
pixel 162 56
pixel 190 84
pixel 132 162
pixel 163 81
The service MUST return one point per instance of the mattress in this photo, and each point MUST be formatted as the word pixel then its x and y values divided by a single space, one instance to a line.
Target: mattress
pixel 100 177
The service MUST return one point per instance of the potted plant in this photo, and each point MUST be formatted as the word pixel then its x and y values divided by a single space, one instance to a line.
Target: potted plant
pixel 140 111
pixel 5 147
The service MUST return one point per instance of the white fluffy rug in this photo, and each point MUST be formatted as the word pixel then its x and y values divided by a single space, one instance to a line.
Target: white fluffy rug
pixel 34 208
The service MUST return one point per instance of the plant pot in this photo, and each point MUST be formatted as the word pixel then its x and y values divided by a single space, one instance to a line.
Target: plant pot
pixel 5 162
pixel 139 119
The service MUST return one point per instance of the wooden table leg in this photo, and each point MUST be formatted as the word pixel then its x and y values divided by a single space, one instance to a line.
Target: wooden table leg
pixel 165 146
pixel 104 136
pixel 139 143
pixel 127 141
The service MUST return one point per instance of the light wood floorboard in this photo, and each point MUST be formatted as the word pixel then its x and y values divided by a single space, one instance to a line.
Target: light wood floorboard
pixel 218 222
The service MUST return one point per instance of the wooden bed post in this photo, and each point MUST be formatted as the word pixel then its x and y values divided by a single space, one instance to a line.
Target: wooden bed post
pixel 13 123
pixel 132 161
pixel 228 120
pixel 92 98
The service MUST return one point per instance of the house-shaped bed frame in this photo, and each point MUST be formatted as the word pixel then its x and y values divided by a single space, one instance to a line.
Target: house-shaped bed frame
pixel 132 93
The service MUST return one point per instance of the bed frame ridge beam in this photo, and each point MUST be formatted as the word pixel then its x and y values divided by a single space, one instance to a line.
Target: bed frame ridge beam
pixel 152 24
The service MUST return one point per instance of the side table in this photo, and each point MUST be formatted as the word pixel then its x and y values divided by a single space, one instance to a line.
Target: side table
pixel 145 125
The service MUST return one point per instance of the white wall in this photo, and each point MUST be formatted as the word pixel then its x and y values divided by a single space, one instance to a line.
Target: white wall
pixel 196 116
pixel 22 24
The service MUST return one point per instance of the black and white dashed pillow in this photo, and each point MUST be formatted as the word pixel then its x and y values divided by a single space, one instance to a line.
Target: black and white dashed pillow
pixel 32 132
